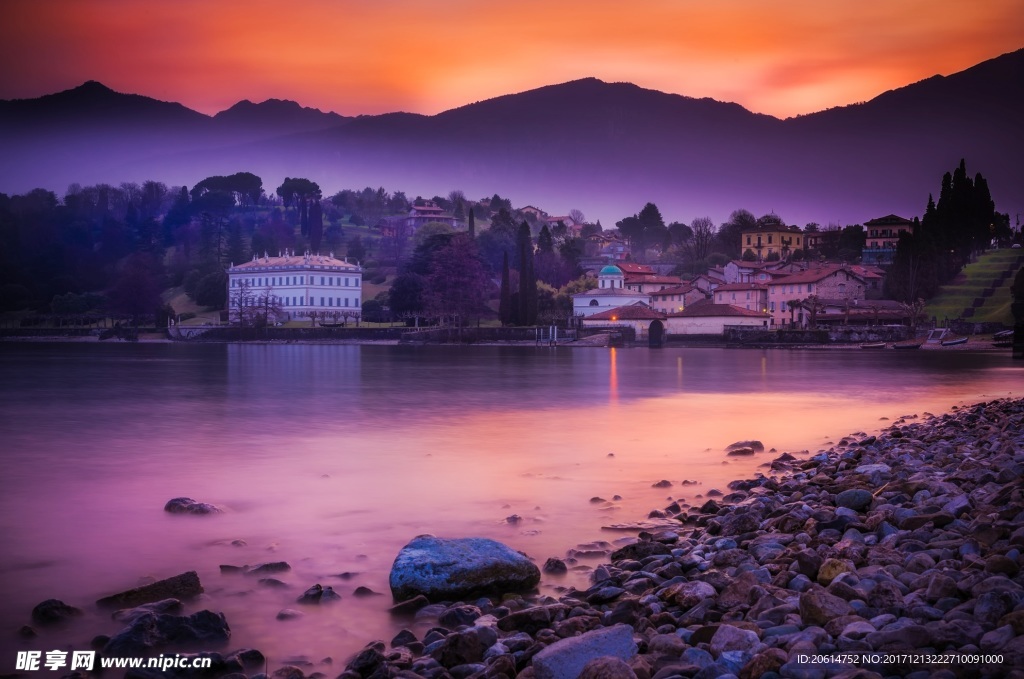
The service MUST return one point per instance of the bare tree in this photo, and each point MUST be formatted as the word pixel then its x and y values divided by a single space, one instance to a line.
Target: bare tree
pixel 577 216
pixel 698 247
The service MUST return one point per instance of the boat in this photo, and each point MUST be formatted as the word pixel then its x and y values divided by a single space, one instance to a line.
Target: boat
pixel 331 325
pixel 954 342
pixel 1003 335
pixel 873 345
pixel 908 345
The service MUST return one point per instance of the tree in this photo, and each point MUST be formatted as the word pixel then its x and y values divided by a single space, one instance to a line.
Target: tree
pixel 457 287
pixel 699 246
pixel 136 292
pixel 406 295
pixel 300 193
pixel 355 249
pixel 472 224
pixel 527 278
pixel 643 230
pixel 505 299
pixel 577 216
pixel 730 235
pixel 545 243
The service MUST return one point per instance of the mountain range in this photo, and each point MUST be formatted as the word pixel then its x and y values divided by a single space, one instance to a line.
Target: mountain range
pixel 605 148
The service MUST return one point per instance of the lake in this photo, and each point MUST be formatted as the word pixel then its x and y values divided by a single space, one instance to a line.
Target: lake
pixel 331 457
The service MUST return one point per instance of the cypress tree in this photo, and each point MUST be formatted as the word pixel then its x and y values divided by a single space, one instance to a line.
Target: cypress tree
pixel 527 278
pixel 472 224
pixel 505 303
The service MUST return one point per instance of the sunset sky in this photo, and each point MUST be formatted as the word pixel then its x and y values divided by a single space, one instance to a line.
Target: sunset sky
pixel 372 56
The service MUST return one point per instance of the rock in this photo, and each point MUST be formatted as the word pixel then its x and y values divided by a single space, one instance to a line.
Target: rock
pixel 740 452
pixel 130 615
pixel 186 505
pixel 753 445
pixel 268 568
pixel 607 667
pixel 664 483
pixel 688 594
pixel 639 551
pixel 453 569
pixel 457 616
pixel 855 498
pixel 53 611
pixel 289 614
pixel 363 592
pixel 729 638
pixel 318 594
pixel 555 566
pixel 817 607
pixel 567 658
pixel 184 586
pixel 832 569
pixel 153 631
pixel 409 606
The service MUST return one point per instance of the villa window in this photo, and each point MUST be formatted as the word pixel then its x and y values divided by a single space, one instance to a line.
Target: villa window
pixel 593 302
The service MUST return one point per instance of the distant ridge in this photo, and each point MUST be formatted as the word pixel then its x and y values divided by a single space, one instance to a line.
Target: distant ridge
pixel 606 148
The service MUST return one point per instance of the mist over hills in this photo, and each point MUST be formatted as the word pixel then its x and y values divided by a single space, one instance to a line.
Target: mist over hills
pixel 606 148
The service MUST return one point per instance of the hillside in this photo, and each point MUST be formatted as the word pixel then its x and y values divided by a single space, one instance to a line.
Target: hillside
pixel 606 148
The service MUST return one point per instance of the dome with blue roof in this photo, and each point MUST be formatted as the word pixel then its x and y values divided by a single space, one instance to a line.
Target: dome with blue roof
pixel 610 270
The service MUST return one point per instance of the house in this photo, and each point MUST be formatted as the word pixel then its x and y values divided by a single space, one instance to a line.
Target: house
pixel 749 296
pixel 643 278
pixel 640 317
pixel 739 271
pixel 676 298
pixel 609 294
pixel 882 236
pixel 706 282
pixel 775 241
pixel 535 211
pixel 825 282
pixel 708 318
pixel 297 286
pixel 429 211
pixel 608 248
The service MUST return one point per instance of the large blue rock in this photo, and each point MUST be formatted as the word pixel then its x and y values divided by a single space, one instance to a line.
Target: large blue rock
pixel 450 569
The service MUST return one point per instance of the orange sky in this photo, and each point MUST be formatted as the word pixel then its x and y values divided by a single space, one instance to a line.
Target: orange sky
pixel 781 57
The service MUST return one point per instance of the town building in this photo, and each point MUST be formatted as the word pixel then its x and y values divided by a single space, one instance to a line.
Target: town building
pixel 749 296
pixel 295 286
pixel 609 294
pixel 881 238
pixel 427 212
pixel 708 318
pixel 788 297
pixel 776 241
pixel 676 298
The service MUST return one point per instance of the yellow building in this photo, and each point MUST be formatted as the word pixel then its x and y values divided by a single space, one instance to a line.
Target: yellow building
pixel 778 240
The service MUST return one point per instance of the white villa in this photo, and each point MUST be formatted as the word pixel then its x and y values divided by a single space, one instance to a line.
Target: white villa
pixel 298 286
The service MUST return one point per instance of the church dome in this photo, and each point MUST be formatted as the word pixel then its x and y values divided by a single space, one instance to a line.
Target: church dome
pixel 610 270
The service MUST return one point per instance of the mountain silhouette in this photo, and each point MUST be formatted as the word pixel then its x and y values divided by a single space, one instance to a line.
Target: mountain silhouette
pixel 606 148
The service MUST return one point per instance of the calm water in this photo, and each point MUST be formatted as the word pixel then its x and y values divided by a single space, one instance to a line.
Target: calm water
pixel 332 457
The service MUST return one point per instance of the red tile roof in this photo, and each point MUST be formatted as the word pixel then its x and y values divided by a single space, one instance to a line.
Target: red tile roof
pixel 707 308
pixel 813 275
pixel 632 312
pixel 739 287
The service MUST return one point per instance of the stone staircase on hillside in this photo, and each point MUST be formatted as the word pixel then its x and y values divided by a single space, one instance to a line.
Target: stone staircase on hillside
pixel 996 283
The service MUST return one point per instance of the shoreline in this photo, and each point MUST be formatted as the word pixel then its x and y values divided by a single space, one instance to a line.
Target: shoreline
pixel 902 541
pixel 974 343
